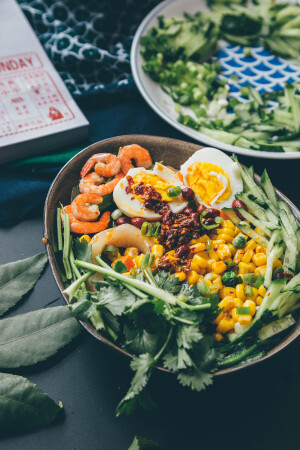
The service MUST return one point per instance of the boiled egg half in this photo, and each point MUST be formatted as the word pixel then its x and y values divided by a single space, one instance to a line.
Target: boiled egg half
pixel 213 176
pixel 161 178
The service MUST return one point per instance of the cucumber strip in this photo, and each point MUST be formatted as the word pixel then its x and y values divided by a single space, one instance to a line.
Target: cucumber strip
pixel 255 189
pixel 265 227
pixel 275 253
pixel 293 285
pixel 232 216
pixel 287 303
pixel 253 234
pixel 237 357
pixel 294 105
pixel 269 188
pixel 290 239
pixel 276 327
pixel 276 237
pixel 255 208
pixel 294 223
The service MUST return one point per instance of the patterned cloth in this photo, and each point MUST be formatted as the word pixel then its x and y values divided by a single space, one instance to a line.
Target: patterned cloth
pixel 88 41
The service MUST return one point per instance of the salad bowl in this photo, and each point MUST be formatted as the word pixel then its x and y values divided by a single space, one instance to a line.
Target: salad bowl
pixel 173 153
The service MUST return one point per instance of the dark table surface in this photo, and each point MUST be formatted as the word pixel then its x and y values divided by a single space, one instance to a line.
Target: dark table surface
pixel 256 408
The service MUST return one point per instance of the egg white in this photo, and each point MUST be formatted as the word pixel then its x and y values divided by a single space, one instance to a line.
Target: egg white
pixel 214 156
pixel 133 207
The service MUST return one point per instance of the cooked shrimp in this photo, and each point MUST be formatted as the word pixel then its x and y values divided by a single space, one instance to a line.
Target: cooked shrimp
pixel 81 227
pixel 106 165
pixel 139 154
pixel 85 207
pixel 90 184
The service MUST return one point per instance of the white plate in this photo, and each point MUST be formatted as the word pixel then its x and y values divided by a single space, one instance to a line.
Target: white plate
pixel 160 102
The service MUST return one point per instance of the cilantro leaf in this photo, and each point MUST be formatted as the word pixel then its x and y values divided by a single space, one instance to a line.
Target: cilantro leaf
pixel 119 267
pixel 142 365
pixel 139 340
pixel 115 298
pixel 106 202
pixel 196 380
pixel 167 282
pixel 175 362
pixel 188 335
pixel 82 250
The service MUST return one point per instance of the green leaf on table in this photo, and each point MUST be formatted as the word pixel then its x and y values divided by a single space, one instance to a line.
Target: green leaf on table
pixel 140 443
pixel 18 278
pixel 35 336
pixel 24 405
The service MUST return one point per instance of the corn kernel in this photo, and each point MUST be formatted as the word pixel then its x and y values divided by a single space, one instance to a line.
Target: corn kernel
pixel 218 337
pixel 262 290
pixel 219 267
pixel 208 282
pixel 218 283
pixel 277 263
pixel 240 291
pixel 260 249
pixel 259 300
pixel 171 253
pixel 213 255
pixel 223 252
pixel 203 254
pixel 250 245
pixel 225 325
pixel 181 276
pixel 194 266
pixel 255 294
pixel 252 305
pixel 248 256
pixel 228 231
pixel 210 263
pixel 259 259
pixel 195 241
pixel 226 237
pixel 218 318
pixel 238 256
pixel 86 237
pixel 132 251
pixel 238 302
pixel 228 292
pixel 244 267
pixel 217 242
pixel 157 250
pixel 198 247
pixel 244 319
pixel 252 267
pixel 200 261
pixel 227 303
pixel 228 224
pixel 138 260
pixel 234 315
pixel 261 270
pixel 232 249
pixel 200 278
pixel 192 277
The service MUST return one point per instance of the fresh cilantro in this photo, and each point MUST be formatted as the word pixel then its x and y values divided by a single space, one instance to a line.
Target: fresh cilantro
pixel 139 340
pixel 119 267
pixel 82 250
pixel 177 361
pixel 115 298
pixel 167 282
pixel 195 379
pixel 107 201
pixel 187 335
pixel 142 365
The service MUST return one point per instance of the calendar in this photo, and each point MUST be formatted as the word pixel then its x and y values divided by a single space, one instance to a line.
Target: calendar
pixel 37 113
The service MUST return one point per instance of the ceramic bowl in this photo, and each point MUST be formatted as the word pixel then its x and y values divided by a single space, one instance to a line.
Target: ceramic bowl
pixel 172 152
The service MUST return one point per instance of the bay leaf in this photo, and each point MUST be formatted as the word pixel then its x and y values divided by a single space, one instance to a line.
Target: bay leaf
pixel 18 278
pixel 23 404
pixel 35 336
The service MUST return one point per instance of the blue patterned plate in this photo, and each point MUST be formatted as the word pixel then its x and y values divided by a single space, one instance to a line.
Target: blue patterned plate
pixel 262 70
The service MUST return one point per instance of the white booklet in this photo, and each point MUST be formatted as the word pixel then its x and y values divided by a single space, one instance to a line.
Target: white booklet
pixel 37 112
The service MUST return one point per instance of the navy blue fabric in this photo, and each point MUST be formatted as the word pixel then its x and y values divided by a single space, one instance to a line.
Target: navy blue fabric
pixel 24 189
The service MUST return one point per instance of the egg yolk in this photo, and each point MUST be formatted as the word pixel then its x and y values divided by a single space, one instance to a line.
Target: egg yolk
pixel 157 183
pixel 209 182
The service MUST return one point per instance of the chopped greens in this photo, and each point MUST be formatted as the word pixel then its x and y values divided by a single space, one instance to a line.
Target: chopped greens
pixel 178 54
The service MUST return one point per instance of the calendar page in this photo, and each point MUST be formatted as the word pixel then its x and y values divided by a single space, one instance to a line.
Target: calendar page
pixel 34 102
